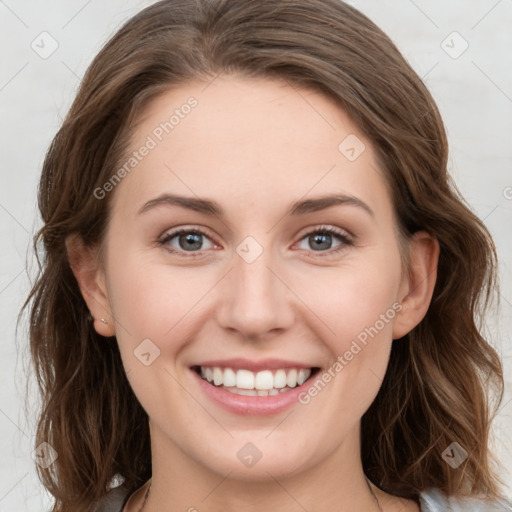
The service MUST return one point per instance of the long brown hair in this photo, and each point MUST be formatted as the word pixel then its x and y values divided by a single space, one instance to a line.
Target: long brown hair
pixel 435 389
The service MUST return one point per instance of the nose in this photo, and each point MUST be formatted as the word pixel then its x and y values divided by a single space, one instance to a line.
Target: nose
pixel 254 299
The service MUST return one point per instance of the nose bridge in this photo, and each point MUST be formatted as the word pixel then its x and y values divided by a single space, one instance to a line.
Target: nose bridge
pixel 254 301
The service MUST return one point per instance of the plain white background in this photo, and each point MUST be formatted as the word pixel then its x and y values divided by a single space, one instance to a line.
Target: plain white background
pixel 468 72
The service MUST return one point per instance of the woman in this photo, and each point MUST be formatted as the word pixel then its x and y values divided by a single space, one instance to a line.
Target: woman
pixel 260 288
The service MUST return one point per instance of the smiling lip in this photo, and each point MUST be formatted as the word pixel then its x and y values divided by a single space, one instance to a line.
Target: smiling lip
pixel 254 366
pixel 252 405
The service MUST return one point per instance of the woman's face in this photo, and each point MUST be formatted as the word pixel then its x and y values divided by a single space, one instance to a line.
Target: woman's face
pixel 255 233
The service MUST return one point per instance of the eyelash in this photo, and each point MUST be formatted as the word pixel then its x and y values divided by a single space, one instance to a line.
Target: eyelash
pixel 346 240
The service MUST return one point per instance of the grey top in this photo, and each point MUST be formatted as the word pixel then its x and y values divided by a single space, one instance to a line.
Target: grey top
pixel 431 500
pixel 434 501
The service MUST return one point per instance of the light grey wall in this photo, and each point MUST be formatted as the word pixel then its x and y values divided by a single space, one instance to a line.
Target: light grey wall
pixel 473 91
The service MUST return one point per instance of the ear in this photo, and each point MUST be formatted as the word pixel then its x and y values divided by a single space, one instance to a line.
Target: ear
pixel 91 280
pixel 417 287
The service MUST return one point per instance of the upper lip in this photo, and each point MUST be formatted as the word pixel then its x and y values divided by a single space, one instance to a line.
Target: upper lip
pixel 252 365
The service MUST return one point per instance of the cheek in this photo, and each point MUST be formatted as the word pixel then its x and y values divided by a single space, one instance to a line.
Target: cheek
pixel 358 306
pixel 358 294
pixel 357 303
pixel 152 305
pixel 148 297
pixel 148 302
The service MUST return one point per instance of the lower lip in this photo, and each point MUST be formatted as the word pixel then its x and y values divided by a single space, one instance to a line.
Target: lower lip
pixel 252 405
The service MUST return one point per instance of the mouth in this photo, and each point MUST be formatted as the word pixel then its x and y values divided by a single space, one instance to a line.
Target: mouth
pixel 262 383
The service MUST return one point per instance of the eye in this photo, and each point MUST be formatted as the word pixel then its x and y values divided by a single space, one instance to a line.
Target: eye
pixel 323 238
pixel 186 240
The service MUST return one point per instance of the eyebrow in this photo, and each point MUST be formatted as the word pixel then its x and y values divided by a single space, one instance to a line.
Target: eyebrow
pixel 213 208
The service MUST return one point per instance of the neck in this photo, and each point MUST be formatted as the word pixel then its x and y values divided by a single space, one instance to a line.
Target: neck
pixel 336 482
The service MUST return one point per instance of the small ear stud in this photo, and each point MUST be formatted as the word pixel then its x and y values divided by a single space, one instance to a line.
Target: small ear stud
pixel 104 321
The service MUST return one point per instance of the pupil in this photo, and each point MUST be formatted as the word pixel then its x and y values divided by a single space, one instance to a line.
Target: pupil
pixel 193 239
pixel 324 239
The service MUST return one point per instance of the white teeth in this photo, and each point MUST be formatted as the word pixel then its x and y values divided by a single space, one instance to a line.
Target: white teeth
pixel 244 379
pixel 291 378
pixel 264 380
pixel 247 392
pixel 217 376
pixel 229 378
pixel 262 383
pixel 303 375
pixel 255 392
pixel 280 379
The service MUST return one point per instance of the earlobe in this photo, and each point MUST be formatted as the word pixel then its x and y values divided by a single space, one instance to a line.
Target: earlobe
pixel 84 264
pixel 418 286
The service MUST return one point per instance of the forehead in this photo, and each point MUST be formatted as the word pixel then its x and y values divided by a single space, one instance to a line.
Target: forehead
pixel 255 141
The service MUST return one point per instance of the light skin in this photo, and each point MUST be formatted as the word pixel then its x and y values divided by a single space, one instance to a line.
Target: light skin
pixel 254 147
